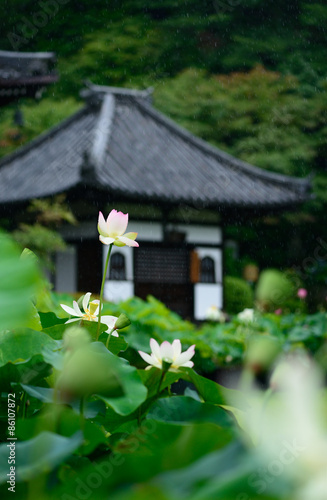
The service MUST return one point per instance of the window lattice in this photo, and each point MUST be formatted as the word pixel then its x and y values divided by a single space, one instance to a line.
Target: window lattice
pixel 117 267
pixel 162 265
pixel 207 274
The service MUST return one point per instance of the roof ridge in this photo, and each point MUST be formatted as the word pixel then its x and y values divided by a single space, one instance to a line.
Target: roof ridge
pixel 93 90
pixel 102 130
pixel 27 55
pixel 236 163
pixel 44 136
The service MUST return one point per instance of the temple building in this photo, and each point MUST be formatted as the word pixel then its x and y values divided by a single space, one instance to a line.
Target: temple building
pixel 180 192
pixel 25 74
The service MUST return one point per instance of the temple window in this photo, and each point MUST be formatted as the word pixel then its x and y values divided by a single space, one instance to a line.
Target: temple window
pixel 117 267
pixel 207 270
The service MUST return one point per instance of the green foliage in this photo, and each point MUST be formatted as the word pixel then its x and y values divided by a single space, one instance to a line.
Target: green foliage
pixel 259 116
pixel 19 281
pixel 37 117
pixel 38 455
pixel 20 345
pixel 40 239
pixel 52 212
pixel 238 295
pixel 81 411
pixel 217 345
pixel 223 37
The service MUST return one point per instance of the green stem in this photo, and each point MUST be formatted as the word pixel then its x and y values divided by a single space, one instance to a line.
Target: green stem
pixel 109 336
pixel 160 382
pixel 24 405
pixel 102 288
pixel 81 411
pixel 57 409
pixel 139 416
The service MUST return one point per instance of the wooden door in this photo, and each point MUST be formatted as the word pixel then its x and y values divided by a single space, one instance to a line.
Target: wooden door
pixel 89 266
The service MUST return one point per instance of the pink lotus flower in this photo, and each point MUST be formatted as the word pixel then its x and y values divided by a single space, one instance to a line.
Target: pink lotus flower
pixel 302 293
pixel 112 230
pixel 168 353
pixel 279 311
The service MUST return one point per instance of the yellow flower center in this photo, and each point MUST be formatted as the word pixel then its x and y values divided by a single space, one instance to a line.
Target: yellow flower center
pixel 90 312
pixel 88 316
pixel 93 307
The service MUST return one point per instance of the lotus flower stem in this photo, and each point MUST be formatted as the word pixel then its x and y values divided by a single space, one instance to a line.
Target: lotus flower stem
pixel 161 381
pixel 139 416
pixel 81 411
pixel 109 335
pixel 23 404
pixel 102 288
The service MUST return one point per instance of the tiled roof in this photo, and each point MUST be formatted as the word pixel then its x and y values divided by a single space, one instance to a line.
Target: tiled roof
pixel 120 144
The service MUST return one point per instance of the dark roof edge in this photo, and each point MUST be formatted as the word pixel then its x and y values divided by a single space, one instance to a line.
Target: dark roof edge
pixel 197 203
pixel 303 183
pixel 51 77
pixel 25 148
pixel 103 89
pixel 27 55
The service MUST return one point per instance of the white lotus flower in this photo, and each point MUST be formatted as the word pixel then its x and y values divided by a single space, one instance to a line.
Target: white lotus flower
pixel 213 313
pixel 91 311
pixel 168 353
pixel 247 316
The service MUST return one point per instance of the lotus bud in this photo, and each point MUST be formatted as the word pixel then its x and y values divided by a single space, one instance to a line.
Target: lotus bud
pixel 122 322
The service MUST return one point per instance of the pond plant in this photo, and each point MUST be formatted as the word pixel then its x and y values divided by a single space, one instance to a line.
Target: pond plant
pixel 86 416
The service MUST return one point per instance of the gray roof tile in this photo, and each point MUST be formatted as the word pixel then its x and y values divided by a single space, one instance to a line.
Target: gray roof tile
pixel 134 150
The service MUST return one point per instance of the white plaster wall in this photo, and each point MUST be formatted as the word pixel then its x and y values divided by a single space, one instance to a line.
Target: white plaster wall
pixel 206 295
pixel 199 234
pixel 147 231
pixel 116 291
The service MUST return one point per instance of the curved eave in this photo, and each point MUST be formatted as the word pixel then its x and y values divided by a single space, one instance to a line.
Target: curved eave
pixel 97 189
pixel 27 81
